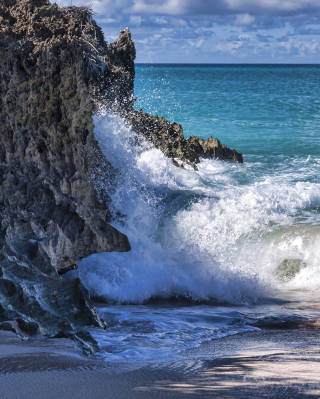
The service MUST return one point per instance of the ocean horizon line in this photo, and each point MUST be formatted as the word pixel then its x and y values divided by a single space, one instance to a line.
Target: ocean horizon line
pixel 281 65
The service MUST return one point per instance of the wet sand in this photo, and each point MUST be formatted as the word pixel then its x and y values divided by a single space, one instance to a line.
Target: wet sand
pixel 267 363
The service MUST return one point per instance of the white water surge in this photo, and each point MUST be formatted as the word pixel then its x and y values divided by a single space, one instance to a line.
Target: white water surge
pixel 218 234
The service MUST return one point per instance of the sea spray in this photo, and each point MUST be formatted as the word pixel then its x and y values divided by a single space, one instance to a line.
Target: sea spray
pixel 200 234
pixel 222 249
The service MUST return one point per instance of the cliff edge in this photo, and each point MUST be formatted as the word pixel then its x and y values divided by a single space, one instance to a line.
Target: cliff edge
pixel 53 63
pixel 56 70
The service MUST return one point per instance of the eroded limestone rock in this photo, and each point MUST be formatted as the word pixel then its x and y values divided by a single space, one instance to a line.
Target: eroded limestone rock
pixel 52 214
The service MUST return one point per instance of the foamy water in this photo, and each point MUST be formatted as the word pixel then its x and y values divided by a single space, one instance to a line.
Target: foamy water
pixel 232 240
pixel 204 235
pixel 200 234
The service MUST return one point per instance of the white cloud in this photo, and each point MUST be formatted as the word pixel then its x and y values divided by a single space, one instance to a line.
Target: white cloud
pixel 244 37
pixel 135 20
pixel 244 19
pixel 196 43
pixel 214 30
pixel 199 44
pixel 167 7
pixel 108 20
pixel 230 47
pixel 159 20
pixel 273 5
pixel 179 22
pixel 156 37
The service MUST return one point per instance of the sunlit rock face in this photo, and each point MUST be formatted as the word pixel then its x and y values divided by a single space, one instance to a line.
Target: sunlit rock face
pixel 54 64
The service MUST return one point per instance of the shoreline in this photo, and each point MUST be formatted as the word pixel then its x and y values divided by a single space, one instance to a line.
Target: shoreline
pixel 265 363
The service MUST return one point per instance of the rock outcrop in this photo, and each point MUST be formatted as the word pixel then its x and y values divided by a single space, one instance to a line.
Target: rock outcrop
pixel 169 138
pixel 55 71
pixel 53 65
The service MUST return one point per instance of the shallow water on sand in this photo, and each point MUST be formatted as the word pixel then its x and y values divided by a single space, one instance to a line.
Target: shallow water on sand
pixel 161 333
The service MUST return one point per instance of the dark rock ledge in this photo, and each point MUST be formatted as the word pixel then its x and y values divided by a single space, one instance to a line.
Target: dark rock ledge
pixel 169 138
pixel 55 70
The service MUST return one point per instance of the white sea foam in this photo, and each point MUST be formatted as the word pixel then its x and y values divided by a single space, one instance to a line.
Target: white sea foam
pixel 230 232
pixel 154 334
pixel 216 233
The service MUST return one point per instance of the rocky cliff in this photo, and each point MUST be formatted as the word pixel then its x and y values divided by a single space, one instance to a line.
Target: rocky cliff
pixel 55 70
pixel 53 64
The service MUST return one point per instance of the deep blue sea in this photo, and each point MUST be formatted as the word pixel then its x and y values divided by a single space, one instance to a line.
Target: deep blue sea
pixel 218 249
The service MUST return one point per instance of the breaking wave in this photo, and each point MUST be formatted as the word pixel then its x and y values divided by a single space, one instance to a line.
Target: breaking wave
pixel 226 232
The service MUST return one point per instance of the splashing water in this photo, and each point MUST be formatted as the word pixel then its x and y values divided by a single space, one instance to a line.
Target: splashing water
pixel 198 234
pixel 227 233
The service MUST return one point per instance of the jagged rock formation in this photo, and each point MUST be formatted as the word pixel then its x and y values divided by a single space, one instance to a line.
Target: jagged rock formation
pixel 55 71
pixel 169 138
pixel 53 64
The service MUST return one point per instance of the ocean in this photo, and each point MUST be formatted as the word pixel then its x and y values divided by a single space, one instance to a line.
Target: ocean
pixel 224 249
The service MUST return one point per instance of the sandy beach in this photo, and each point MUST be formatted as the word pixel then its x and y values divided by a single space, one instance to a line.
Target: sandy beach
pixel 267 363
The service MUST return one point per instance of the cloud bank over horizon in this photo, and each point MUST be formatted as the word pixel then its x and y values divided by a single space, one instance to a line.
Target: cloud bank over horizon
pixel 214 31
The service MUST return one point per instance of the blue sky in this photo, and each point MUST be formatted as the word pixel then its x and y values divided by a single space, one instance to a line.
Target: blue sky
pixel 214 31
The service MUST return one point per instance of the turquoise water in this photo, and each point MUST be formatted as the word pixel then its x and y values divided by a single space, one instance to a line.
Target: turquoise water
pixel 217 249
pixel 270 113
pixel 265 110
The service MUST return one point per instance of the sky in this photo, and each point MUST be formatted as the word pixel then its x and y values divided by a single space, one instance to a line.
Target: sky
pixel 214 31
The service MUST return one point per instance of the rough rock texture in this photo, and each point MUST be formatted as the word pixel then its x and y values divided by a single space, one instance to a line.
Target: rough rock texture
pixel 56 70
pixel 53 64
pixel 119 87
pixel 169 138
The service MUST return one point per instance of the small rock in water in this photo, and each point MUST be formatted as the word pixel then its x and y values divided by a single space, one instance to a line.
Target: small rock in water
pixel 31 328
pixel 289 268
pixel 6 326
